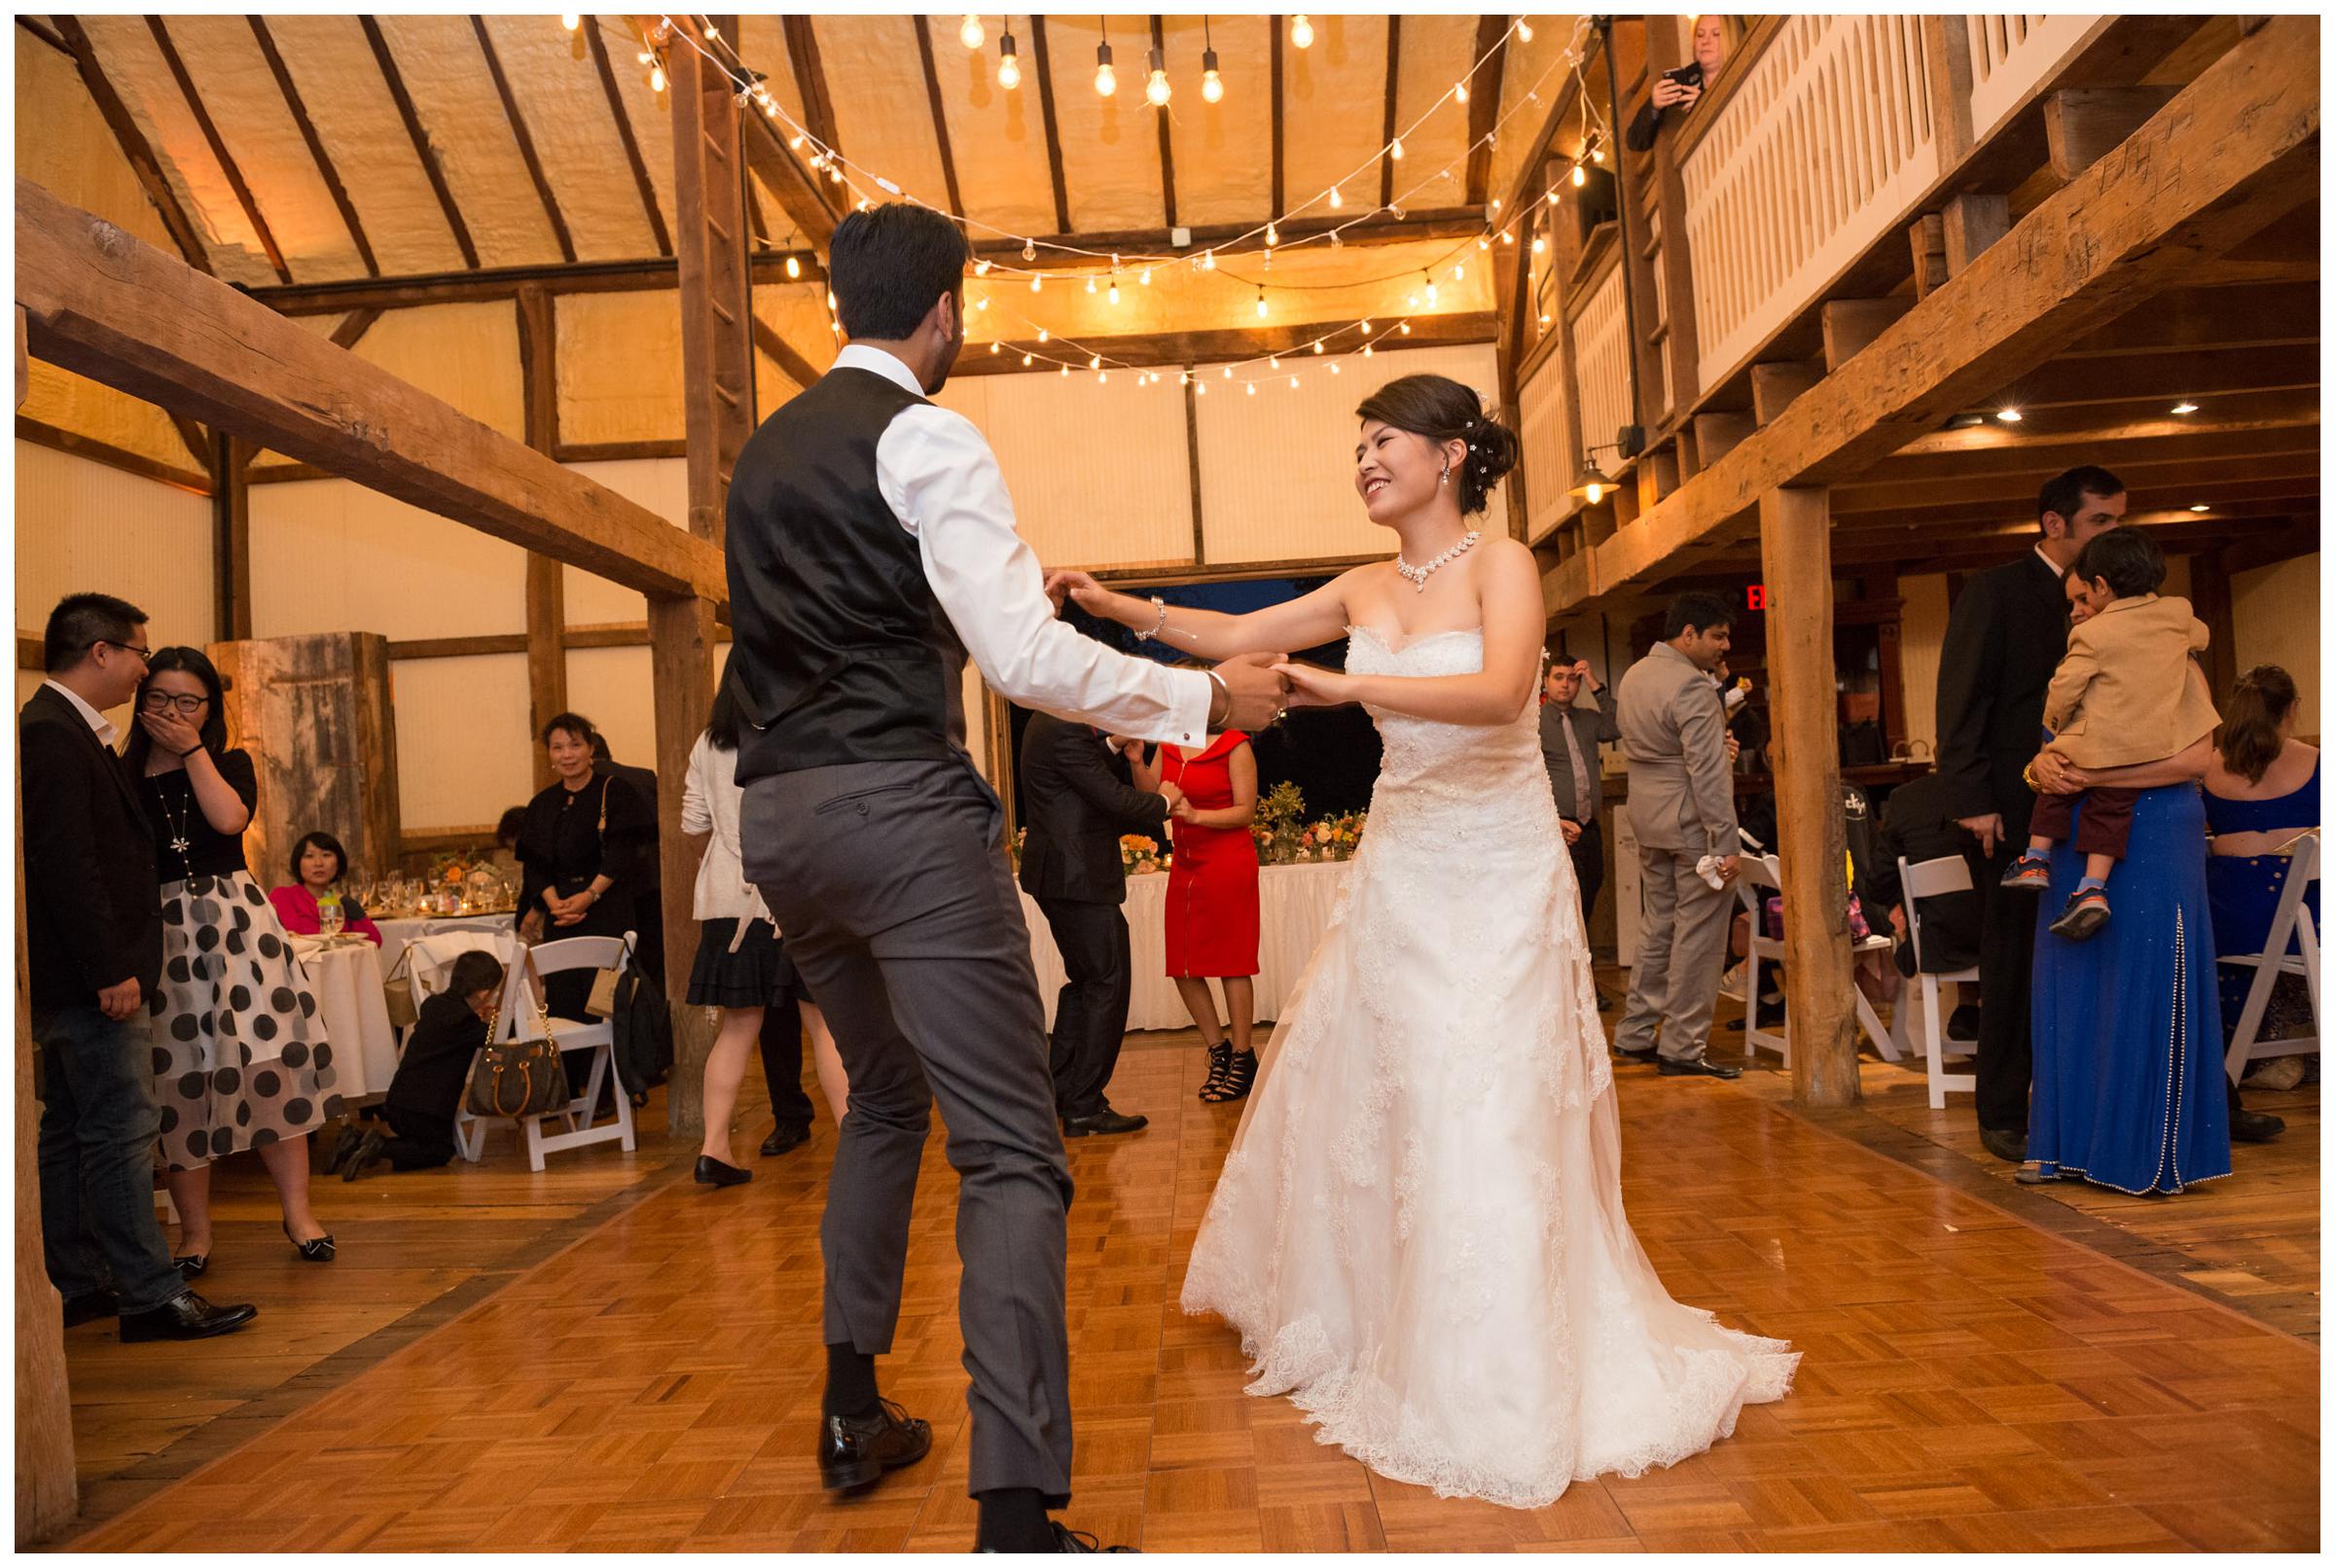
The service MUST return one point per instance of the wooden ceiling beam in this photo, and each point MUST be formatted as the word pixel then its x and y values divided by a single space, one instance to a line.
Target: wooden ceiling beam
pixel 1176 349
pixel 218 146
pixel 1158 41
pixel 2140 473
pixel 104 305
pixel 315 143
pixel 625 135
pixel 504 283
pixel 811 79
pixel 1280 199
pixel 2218 317
pixel 354 326
pixel 45 33
pixel 1944 460
pixel 412 118
pixel 2238 148
pixel 526 143
pixel 1483 104
pixel 1054 135
pixel 799 370
pixel 940 112
pixel 133 144
pixel 1430 223
pixel 2161 378
pixel 1394 81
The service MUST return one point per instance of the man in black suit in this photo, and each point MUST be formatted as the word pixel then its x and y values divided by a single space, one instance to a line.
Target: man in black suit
pixel 2006 636
pixel 94 944
pixel 1077 799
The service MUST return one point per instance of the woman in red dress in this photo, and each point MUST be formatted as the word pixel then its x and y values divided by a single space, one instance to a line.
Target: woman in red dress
pixel 1212 901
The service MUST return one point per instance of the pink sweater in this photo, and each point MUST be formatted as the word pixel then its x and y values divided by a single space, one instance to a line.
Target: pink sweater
pixel 296 908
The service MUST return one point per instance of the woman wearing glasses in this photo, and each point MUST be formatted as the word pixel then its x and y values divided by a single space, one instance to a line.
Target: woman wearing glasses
pixel 239 1056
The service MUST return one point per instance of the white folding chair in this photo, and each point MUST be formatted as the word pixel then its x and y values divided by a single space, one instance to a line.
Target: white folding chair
pixel 2290 927
pixel 1759 876
pixel 1932 878
pixel 432 962
pixel 521 1022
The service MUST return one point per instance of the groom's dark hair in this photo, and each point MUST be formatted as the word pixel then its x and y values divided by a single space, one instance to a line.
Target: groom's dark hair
pixel 1700 612
pixel 890 265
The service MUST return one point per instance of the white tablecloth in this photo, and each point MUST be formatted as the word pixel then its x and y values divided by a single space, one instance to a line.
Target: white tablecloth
pixel 397 935
pixel 1293 910
pixel 347 981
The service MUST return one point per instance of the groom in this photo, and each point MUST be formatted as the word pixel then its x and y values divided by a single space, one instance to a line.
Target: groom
pixel 871 550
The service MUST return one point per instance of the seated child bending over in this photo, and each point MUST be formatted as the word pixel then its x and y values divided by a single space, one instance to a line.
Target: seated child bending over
pixel 427 1088
pixel 2127 691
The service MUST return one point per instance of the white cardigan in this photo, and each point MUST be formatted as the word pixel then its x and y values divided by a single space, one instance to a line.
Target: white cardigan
pixel 710 804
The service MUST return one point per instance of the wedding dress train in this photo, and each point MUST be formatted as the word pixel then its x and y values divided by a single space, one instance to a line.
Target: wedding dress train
pixel 1418 1231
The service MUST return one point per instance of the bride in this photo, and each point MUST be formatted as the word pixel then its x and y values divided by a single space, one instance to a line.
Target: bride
pixel 1418 1231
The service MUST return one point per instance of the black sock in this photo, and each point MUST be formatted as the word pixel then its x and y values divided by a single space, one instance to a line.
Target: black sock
pixel 1013 1518
pixel 851 1384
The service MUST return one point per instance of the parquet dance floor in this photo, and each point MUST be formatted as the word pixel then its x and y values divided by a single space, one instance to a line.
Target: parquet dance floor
pixel 1971 1382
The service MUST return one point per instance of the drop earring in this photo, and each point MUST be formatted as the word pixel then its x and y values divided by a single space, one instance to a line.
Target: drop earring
pixel 1446 479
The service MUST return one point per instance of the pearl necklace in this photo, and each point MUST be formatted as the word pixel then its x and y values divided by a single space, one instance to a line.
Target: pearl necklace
pixel 1416 575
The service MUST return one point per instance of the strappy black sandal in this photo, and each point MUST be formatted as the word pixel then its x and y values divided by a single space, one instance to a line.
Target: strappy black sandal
pixel 1239 1074
pixel 316 1251
pixel 1220 1063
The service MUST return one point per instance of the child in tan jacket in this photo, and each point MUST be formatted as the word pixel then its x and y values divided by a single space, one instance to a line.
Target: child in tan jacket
pixel 2127 691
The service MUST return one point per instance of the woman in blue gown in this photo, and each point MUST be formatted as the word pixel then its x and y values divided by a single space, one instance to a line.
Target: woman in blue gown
pixel 2261 793
pixel 2129 1088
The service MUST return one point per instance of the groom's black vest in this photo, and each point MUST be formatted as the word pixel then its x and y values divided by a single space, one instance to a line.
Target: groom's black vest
pixel 839 653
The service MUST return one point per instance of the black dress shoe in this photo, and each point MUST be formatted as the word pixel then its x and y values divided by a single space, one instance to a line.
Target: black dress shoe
pixel 100 1303
pixel 368 1149
pixel 1106 1120
pixel 1698 1068
pixel 781 1139
pixel 1068 1539
pixel 712 1172
pixel 1644 1058
pixel 185 1316
pixel 2254 1127
pixel 1604 1003
pixel 2010 1146
pixel 856 1451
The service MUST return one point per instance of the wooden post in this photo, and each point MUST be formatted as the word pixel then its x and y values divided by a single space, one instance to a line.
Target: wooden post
pixel 2209 597
pixel 717 365
pixel 1796 558
pixel 231 537
pixel 547 580
pixel 1946 45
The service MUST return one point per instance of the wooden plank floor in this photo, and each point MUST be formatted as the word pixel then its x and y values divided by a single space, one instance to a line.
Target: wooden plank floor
pixel 1972 1381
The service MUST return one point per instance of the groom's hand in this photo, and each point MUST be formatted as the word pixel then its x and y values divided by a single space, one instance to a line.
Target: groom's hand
pixel 1259 693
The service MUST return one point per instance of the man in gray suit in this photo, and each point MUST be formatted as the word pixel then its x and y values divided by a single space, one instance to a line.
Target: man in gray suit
pixel 1569 745
pixel 1682 810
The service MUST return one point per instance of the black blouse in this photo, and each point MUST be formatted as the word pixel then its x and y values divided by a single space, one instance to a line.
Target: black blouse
pixel 178 817
pixel 436 1063
pixel 561 846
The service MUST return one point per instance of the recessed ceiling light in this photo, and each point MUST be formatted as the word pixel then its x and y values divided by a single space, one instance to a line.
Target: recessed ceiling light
pixel 2009 417
pixel 2201 507
pixel 2184 407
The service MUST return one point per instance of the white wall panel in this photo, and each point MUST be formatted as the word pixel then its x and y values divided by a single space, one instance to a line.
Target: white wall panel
pixel 330 555
pixel 659 483
pixel 1548 455
pixel 1277 469
pixel 83 527
pixel 1922 632
pixel 463 751
pixel 613 688
pixel 2274 612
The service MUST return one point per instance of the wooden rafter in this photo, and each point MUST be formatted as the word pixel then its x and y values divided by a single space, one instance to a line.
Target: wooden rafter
pixel 811 79
pixel 1435 223
pixel 102 303
pixel 422 150
pixel 355 326
pixel 1483 104
pixel 505 282
pixel 218 144
pixel 1206 348
pixel 940 115
pixel 1394 82
pixel 625 135
pixel 526 143
pixel 1159 40
pixel 1281 200
pixel 1053 137
pixel 784 354
pixel 44 32
pixel 307 133
pixel 134 146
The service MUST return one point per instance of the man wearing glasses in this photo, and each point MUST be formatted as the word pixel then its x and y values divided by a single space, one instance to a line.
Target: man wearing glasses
pixel 93 943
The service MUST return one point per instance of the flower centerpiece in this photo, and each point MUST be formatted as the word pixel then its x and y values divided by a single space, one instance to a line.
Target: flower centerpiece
pixel 1139 855
pixel 1330 839
pixel 1278 824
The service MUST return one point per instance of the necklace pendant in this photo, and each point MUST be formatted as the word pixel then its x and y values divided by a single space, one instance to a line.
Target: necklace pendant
pixel 180 846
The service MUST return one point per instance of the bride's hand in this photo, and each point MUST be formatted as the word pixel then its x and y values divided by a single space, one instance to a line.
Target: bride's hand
pixel 1310 686
pixel 1089 594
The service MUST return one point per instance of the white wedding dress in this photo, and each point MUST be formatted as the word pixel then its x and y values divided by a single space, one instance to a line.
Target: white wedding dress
pixel 1418 1232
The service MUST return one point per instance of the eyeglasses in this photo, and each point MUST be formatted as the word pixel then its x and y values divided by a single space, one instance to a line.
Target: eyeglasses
pixel 156 701
pixel 145 655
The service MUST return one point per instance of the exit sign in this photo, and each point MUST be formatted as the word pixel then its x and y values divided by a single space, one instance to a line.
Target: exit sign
pixel 1755 597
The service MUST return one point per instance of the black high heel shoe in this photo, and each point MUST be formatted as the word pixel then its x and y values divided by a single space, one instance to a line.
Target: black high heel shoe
pixel 712 1172
pixel 192 1264
pixel 317 1251
pixel 1239 1074
pixel 1220 1062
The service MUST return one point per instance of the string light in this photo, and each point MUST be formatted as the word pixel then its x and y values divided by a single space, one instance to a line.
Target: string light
pixel 1301 31
pixel 1211 84
pixel 1333 367
pixel 1460 92
pixel 1273 236
pixel 657 77
pixel 1395 151
pixel 794 267
pixel 1106 79
pixel 1524 30
pixel 1157 89
pixel 1580 176
pixel 1113 294
pixel 1430 288
pixel 571 21
pixel 981 268
pixel 1036 282
pixel 970 34
pixel 1260 304
pixel 1335 201
pixel 1009 63
pixel 1538 245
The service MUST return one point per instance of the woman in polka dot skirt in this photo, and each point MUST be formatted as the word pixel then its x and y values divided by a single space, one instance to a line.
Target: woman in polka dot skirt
pixel 240 1060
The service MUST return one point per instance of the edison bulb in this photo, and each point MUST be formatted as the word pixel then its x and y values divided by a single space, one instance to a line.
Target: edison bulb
pixel 1580 176
pixel 1211 86
pixel 1524 30
pixel 1106 79
pixel 1009 72
pixel 1157 91
pixel 571 21
pixel 1595 493
pixel 970 34
pixel 794 267
pixel 1301 31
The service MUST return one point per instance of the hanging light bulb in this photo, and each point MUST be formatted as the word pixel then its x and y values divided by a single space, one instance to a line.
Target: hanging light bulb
pixel 1090 283
pixel 1106 79
pixel 1034 282
pixel 1538 245
pixel 1366 329
pixel 571 21
pixel 1301 31
pixel 1458 273
pixel 1483 243
pixel 1580 176
pixel 1009 63
pixel 1395 151
pixel 657 77
pixel 1316 345
pixel 1252 389
pixel 1524 30
pixel 1597 154
pixel 1551 195
pixel 1273 236
pixel 1406 329
pixel 1113 294
pixel 981 268
pixel 1333 367
pixel 1207 260
pixel 831 298
pixel 1029 250
pixel 1095 363
pixel 1211 84
pixel 1336 201
pixel 1260 304
pixel 1293 383
pixel 794 267
pixel 1200 389
pixel 1460 92
pixel 970 34
pixel 1507 236
pixel 1155 89
pixel 1026 361
pixel 1275 362
pixel 1103 377
pixel 1430 278
pixel 1144 277
pixel 1043 335
pixel 992 346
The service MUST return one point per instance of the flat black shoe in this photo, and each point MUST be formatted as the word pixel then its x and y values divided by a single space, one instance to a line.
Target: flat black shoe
pixel 1106 1120
pixel 854 1451
pixel 712 1172
pixel 316 1251
pixel 1068 1539
pixel 1698 1068
pixel 2254 1127
pixel 781 1139
pixel 2010 1146
pixel 185 1316
pixel 367 1151
pixel 81 1310
pixel 192 1264
pixel 1644 1058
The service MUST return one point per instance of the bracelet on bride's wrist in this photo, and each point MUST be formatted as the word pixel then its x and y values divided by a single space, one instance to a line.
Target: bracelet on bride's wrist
pixel 1158 625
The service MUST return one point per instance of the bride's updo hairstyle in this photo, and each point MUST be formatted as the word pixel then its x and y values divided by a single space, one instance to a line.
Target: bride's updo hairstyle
pixel 1440 409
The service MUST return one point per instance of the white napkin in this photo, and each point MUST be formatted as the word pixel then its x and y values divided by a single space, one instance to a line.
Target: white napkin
pixel 1708 867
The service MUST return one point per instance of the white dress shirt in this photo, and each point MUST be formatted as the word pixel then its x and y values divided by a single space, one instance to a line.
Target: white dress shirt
pixel 107 734
pixel 2057 570
pixel 942 481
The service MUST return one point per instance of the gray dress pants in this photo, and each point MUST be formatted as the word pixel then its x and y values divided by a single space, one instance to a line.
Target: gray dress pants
pixel 891 885
pixel 1682 941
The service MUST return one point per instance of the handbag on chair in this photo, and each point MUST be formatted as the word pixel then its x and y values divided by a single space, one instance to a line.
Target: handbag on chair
pixel 601 1004
pixel 397 992
pixel 518 1077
